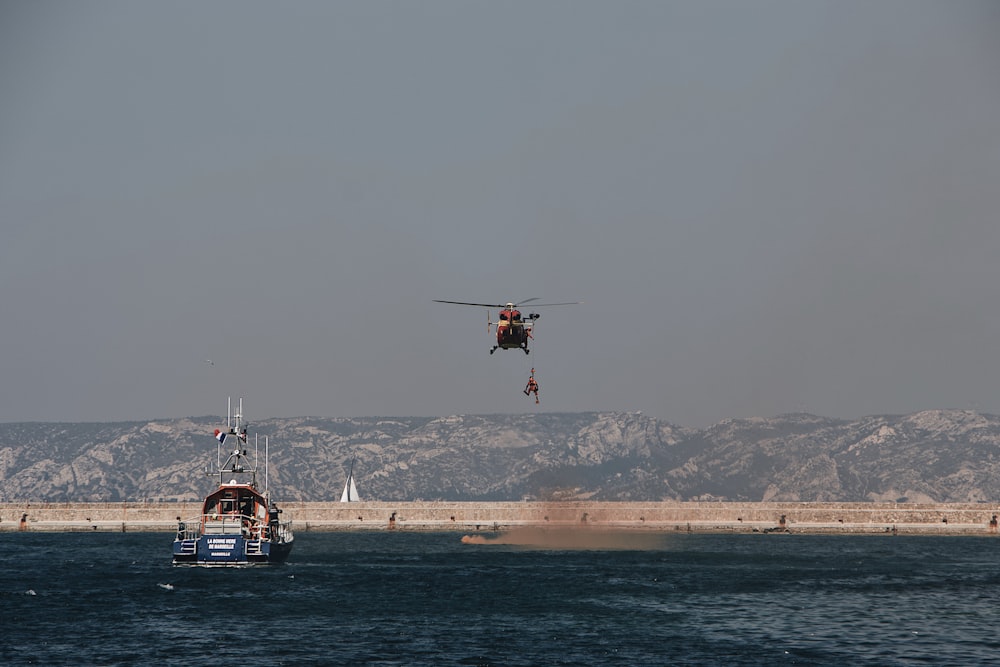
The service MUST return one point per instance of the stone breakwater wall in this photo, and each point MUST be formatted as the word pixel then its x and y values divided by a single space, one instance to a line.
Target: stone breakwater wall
pixel 955 518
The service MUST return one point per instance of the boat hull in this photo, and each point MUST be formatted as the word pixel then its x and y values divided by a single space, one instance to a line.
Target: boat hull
pixel 222 550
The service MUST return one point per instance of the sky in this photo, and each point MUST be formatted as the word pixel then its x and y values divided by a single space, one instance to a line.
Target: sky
pixel 765 207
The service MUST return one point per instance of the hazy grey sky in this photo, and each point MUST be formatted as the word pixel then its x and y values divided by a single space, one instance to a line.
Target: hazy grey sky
pixel 766 207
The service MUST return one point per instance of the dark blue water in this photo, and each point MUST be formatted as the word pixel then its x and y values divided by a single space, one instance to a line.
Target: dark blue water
pixel 406 598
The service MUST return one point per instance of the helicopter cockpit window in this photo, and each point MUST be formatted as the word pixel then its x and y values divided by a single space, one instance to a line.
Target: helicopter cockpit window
pixel 503 316
pixel 517 317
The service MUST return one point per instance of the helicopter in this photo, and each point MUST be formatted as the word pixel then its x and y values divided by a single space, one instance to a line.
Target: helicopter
pixel 513 328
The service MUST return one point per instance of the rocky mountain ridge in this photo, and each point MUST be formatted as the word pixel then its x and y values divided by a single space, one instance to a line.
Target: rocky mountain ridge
pixel 930 456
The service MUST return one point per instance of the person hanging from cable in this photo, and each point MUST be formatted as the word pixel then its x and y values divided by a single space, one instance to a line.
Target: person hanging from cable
pixel 532 386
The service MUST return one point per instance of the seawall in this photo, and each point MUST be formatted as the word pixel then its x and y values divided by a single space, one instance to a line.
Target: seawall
pixel 954 518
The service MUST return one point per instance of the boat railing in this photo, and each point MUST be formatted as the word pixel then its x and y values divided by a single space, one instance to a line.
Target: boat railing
pixel 281 532
pixel 229 524
pixel 226 524
pixel 188 529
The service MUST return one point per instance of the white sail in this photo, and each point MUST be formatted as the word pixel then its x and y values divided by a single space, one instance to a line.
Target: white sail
pixel 350 494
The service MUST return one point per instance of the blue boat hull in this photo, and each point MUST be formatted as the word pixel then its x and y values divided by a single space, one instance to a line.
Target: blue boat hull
pixel 228 550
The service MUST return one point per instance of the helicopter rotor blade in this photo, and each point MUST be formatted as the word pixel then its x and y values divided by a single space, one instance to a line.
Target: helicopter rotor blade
pixel 467 303
pixel 504 305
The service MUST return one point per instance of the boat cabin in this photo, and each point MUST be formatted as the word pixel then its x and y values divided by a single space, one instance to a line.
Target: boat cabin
pixel 233 508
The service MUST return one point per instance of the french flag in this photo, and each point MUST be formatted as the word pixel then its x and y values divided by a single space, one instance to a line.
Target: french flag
pixel 220 436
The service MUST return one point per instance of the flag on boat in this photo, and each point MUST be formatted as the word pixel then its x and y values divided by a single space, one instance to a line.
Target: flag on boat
pixel 220 436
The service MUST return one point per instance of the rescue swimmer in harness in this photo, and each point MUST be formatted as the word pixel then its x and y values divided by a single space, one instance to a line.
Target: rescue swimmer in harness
pixel 532 386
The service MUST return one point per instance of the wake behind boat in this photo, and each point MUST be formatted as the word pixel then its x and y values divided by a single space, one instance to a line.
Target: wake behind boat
pixel 239 524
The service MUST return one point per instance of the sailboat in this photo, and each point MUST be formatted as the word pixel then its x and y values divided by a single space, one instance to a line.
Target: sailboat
pixel 350 494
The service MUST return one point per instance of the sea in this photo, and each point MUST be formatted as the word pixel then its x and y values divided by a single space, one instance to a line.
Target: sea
pixel 509 598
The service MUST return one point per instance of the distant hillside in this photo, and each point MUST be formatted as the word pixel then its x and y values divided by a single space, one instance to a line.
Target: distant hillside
pixel 932 456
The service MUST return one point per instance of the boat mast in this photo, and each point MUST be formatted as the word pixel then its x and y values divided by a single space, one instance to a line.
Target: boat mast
pixel 237 463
